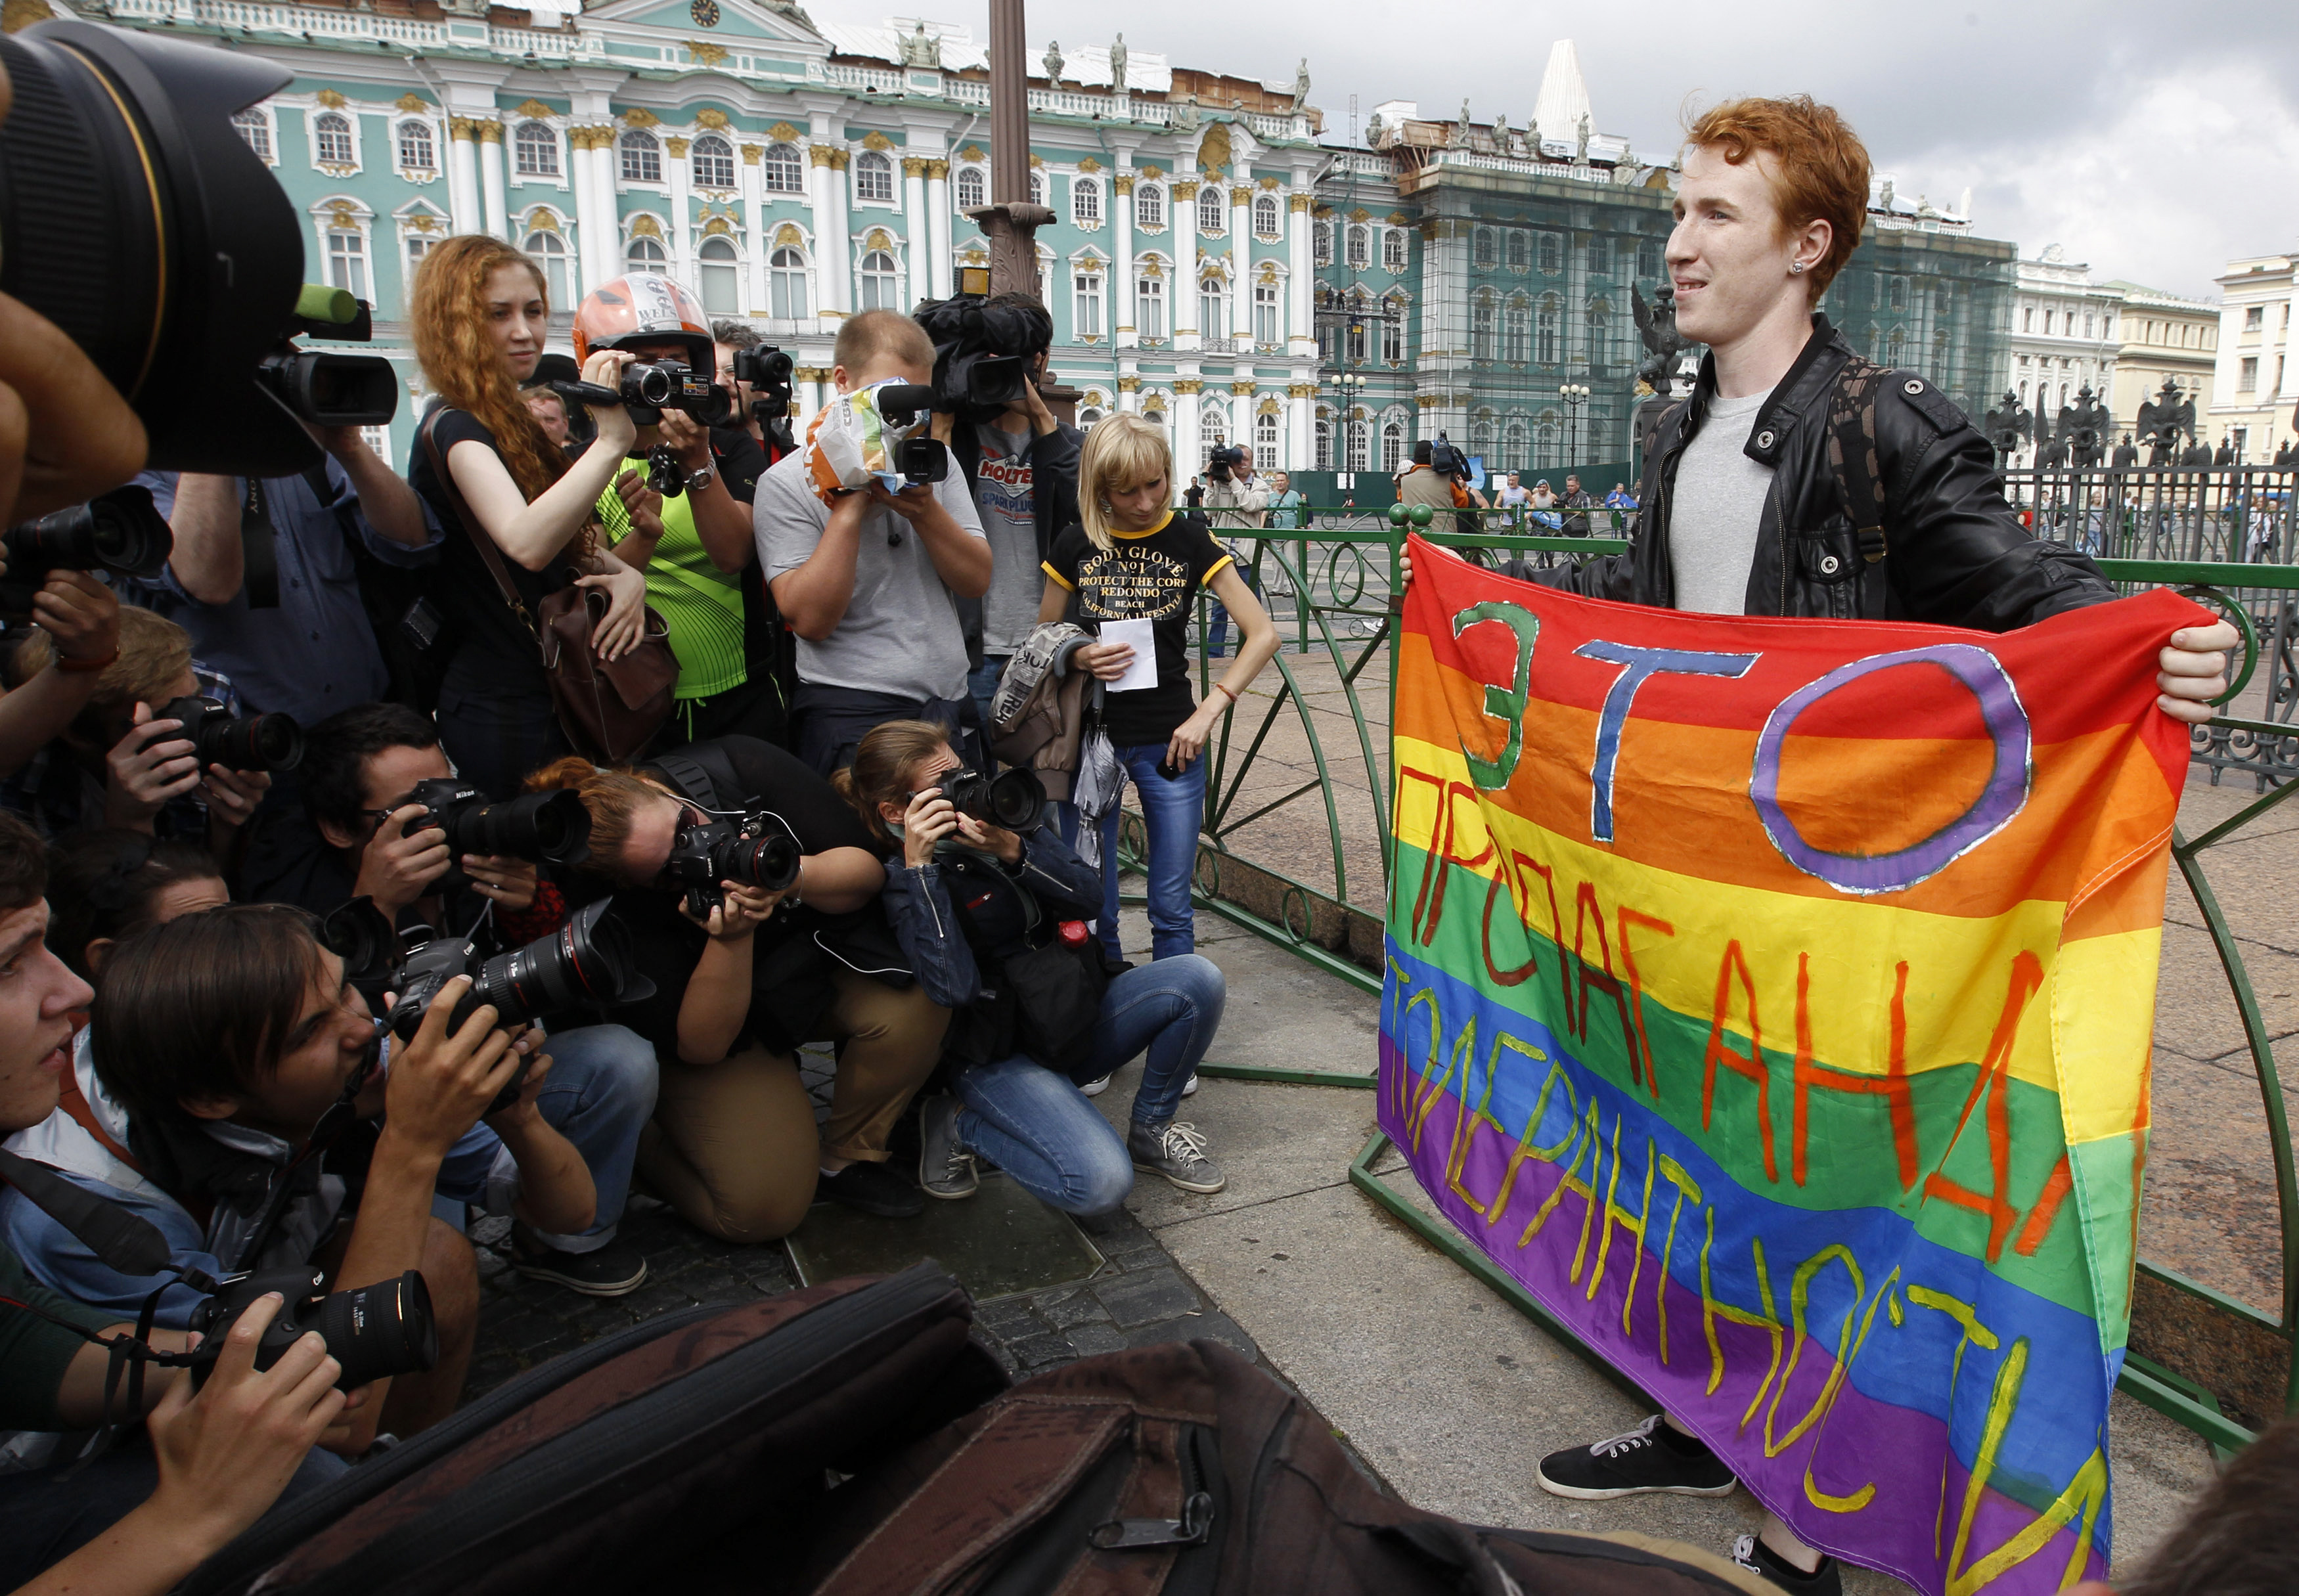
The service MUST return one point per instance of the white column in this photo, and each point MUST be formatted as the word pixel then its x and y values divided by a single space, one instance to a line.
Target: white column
pixel 682 227
pixel 762 243
pixel 919 255
pixel 832 272
pixel 1240 260
pixel 1300 437
pixel 491 177
pixel 1121 273
pixel 463 175
pixel 606 170
pixel 940 272
pixel 579 187
pixel 1301 278
pixel 1189 437
pixel 595 222
pixel 1184 194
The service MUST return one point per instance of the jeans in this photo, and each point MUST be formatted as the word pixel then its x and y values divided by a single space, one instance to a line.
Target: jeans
pixel 829 723
pixel 1035 1124
pixel 1217 619
pixel 599 1095
pixel 1173 809
pixel 495 740
pixel 982 687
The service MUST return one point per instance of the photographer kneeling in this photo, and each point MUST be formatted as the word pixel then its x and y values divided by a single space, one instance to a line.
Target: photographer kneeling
pixel 750 894
pixel 970 899
pixel 375 785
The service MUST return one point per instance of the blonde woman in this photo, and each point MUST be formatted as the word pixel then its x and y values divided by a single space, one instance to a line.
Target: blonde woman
pixel 1131 557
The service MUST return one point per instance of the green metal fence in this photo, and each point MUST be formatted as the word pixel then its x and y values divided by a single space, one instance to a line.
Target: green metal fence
pixel 1329 584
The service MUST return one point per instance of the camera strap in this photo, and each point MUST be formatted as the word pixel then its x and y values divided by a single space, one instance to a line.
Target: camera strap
pixel 259 553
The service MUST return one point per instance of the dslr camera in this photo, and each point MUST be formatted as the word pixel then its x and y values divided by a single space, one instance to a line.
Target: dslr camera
pixel 983 350
pixel 373 1331
pixel 1015 801
pixel 1222 460
pixel 235 742
pixel 120 532
pixel 541 827
pixel 756 849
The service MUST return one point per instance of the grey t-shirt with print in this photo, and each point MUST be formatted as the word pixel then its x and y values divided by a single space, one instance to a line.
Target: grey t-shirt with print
pixel 1003 494
pixel 1717 508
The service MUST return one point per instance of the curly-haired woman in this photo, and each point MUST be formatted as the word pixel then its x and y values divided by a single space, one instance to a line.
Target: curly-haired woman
pixel 479 315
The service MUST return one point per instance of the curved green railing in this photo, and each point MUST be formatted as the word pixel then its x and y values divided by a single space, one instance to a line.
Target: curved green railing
pixel 1328 584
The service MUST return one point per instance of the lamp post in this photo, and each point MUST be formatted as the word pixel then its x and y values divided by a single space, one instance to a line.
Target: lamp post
pixel 1352 386
pixel 1574 395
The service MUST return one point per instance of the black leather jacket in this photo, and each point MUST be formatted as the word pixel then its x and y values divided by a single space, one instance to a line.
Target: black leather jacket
pixel 1955 553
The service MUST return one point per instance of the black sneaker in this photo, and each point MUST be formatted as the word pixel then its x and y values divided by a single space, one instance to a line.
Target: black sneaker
pixel 1642 1460
pixel 945 1168
pixel 614 1270
pixel 1753 1554
pixel 873 1189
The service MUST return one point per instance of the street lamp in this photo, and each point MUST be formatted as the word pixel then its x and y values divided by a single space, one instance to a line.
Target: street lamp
pixel 1574 395
pixel 1352 387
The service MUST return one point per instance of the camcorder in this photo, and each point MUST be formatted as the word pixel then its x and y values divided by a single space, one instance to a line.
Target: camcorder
pixel 235 742
pixel 540 828
pixel 135 218
pixel 983 352
pixel 918 458
pixel 1221 461
pixel 1448 461
pixel 586 965
pixel 1015 801
pixel 121 532
pixel 373 1331
pixel 650 387
pixel 755 849
pixel 769 371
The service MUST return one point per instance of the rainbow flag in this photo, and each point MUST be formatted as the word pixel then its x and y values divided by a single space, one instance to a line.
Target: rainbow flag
pixel 1773 998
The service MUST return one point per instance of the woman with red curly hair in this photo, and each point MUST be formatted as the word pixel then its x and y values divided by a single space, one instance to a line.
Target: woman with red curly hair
pixel 479 315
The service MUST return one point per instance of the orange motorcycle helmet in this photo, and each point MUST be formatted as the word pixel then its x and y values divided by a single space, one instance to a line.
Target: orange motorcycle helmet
pixel 643 309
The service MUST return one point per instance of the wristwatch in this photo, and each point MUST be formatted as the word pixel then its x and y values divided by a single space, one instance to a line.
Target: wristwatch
pixel 696 481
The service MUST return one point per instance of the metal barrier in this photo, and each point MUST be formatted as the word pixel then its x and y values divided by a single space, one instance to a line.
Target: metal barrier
pixel 1330 582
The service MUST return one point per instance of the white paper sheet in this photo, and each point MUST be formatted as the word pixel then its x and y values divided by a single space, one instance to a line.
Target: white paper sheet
pixel 1143 636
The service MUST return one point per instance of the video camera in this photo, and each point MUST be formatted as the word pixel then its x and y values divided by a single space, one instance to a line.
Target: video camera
pixel 120 532
pixel 650 387
pixel 373 1331
pixel 757 850
pixel 135 218
pixel 541 827
pixel 983 352
pixel 235 742
pixel 1448 461
pixel 769 371
pixel 918 458
pixel 1221 460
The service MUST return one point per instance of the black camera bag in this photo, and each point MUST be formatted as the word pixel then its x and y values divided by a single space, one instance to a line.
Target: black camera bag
pixel 686 1453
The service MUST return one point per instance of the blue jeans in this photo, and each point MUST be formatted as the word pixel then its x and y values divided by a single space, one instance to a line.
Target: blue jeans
pixel 599 1095
pixel 1036 1125
pixel 1173 810
pixel 982 687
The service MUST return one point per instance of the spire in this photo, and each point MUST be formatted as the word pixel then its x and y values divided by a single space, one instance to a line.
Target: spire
pixel 1564 96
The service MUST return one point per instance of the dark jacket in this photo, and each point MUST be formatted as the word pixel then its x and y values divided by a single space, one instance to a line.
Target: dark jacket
pixel 1955 553
pixel 1053 499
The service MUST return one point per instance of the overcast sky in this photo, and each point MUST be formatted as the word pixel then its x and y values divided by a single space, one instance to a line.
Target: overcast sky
pixel 2155 142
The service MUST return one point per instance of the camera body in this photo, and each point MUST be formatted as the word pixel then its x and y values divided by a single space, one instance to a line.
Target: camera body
pixel 541 827
pixel 235 742
pixel 585 964
pixel 1015 801
pixel 767 369
pixel 373 1331
pixel 917 457
pixel 983 352
pixel 1448 461
pixel 1222 460
pixel 121 532
pixel 650 387
pixel 321 386
pixel 756 849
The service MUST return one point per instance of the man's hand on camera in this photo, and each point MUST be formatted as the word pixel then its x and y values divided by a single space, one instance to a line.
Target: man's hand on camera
pixel 396 868
pixel 146 768
pixel 644 504
pixel 914 499
pixel 344 443
pixel 440 1084
pixel 746 909
pixel 930 817
pixel 942 426
pixel 79 614
pixel 687 437
pixel 616 430
pixel 501 879
pixel 233 795
pixel 227 1453
pixel 995 840
pixel 521 1111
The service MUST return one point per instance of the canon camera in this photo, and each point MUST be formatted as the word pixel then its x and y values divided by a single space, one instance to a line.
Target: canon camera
pixel 120 532
pixel 540 828
pixel 373 1331
pixel 756 849
pixel 235 742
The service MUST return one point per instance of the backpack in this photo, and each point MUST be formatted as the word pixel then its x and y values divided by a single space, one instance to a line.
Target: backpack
pixel 1183 1468
pixel 1037 715
pixel 686 1453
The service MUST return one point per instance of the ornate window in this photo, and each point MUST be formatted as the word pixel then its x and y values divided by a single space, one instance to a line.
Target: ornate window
pixel 1552 253
pixel 1600 319
pixel 873 176
pixel 255 127
pixel 1516 334
pixel 1899 300
pixel 1086 285
pixel 1545 340
pixel 720 268
pixel 1393 446
pixel 1323 430
pixel 1212 420
pixel 1264 313
pixel 973 189
pixel 1392 331
pixel 1213 215
pixel 1648 260
pixel 644 253
pixel 534 151
pixel 1038 188
pixel 1481 318
pixel 347 260
pixel 1149 206
pixel 549 252
pixel 882 283
pixel 1360 442
pixel 1481 250
pixel 418 150
pixel 331 139
pixel 713 162
pixel 418 245
pixel 1213 307
pixel 1149 307
pixel 782 171
pixel 642 157
pixel 1600 256
pixel 1392 249
pixel 1480 435
pixel 786 285
pixel 1360 247
pixel 1085 202
pixel 1359 337
pixel 1513 445
pixel 1544 438
pixel 1265 216
pixel 1520 250
pixel 1264 443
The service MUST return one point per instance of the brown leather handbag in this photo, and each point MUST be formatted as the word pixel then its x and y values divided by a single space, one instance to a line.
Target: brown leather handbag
pixel 610 709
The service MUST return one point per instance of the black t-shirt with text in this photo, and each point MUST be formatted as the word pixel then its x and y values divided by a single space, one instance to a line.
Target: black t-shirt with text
pixel 1151 576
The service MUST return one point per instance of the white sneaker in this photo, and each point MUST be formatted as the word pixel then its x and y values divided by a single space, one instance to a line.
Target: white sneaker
pixel 1190 1086
pixel 1096 1088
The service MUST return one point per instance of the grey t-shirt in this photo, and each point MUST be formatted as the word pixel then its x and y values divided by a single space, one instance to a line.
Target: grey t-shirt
pixel 1003 494
pixel 1715 511
pixel 900 632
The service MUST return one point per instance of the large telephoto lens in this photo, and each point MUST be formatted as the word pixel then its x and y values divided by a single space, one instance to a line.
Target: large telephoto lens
pixel 120 532
pixel 536 827
pixel 252 742
pixel 134 216
pixel 770 862
pixel 379 1331
pixel 586 963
